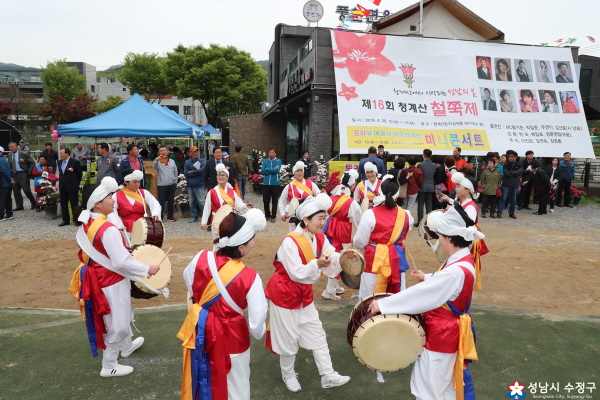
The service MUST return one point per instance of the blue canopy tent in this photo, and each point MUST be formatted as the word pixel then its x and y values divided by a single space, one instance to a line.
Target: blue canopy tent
pixel 134 118
pixel 198 132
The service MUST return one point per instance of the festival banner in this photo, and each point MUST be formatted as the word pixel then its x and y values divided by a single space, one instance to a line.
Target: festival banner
pixel 411 93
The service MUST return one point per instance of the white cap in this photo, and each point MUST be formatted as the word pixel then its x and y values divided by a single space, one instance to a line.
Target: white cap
pixel 222 168
pixel 369 166
pixel 107 187
pixel 312 205
pixel 460 179
pixel 451 223
pixel 298 166
pixel 1 149
pixel 136 175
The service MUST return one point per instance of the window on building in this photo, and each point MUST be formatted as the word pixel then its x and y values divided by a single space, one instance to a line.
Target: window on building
pixel 174 108
pixel 270 73
pixel 284 75
pixel 187 110
pixel 293 64
pixel 93 89
pixel 585 84
pixel 124 89
pixel 306 49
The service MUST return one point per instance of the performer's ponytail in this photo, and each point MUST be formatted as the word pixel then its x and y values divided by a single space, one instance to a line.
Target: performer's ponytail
pixel 389 191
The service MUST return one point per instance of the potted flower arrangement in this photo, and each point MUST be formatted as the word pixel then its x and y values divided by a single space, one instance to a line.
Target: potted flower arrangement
pixel 182 199
pixel 256 179
pixel 577 194
pixel 50 199
pixel 285 175
pixel 334 180
pixel 322 178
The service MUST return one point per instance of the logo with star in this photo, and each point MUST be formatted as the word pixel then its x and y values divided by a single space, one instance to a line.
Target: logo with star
pixel 516 391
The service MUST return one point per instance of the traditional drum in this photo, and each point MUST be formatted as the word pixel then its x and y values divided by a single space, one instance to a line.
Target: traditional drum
pixel 149 255
pixel 294 203
pixel 147 231
pixel 431 238
pixel 385 342
pixel 352 261
pixel 221 213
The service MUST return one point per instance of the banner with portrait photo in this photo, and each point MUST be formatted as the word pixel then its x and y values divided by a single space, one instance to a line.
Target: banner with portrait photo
pixel 411 93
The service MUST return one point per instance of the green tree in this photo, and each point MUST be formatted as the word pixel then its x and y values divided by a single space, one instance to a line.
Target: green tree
pixel 61 80
pixel 108 104
pixel 144 74
pixel 224 79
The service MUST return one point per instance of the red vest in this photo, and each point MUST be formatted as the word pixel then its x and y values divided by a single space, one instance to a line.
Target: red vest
pixel 234 325
pixel 105 276
pixel 128 212
pixel 474 205
pixel 361 193
pixel 293 191
pixel 216 202
pixel 339 227
pixel 385 219
pixel 286 293
pixel 441 326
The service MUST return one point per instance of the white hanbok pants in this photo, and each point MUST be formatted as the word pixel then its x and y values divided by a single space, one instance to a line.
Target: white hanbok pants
pixel 432 376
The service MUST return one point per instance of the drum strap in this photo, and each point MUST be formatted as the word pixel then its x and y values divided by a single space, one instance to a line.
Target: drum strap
pixel 215 274
pixel 86 246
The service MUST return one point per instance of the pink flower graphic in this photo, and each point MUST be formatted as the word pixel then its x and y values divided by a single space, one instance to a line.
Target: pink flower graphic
pixel 361 54
pixel 348 92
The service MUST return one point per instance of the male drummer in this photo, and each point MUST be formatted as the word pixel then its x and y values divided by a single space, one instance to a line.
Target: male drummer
pixel 133 203
pixel 299 188
pixel 443 298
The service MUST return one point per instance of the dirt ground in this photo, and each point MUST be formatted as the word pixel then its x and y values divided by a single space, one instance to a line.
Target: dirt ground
pixel 522 272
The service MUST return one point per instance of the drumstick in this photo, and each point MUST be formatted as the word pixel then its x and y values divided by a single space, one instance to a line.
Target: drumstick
pixel 163 259
pixel 412 260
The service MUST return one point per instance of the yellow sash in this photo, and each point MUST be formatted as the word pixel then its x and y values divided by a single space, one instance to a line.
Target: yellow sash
pixel 304 245
pixel 466 349
pixel 75 284
pixel 302 186
pixel 339 204
pixel 187 333
pixel 381 260
pixel 361 187
pixel 226 197
pixel 134 195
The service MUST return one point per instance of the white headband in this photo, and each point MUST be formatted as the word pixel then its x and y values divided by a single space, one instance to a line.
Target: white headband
pixel 255 221
pixel 222 168
pixel 460 179
pixel 312 205
pixel 107 187
pixel 369 166
pixel 450 223
pixel 298 166
pixel 381 198
pixel 136 175
pixel 339 189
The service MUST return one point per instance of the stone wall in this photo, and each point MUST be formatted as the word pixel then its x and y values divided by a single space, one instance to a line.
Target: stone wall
pixel 253 132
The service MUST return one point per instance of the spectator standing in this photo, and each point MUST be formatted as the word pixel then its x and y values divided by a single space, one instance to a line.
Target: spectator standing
pixel 567 175
pixel 541 183
pixel 68 184
pixel 425 197
pixel 51 156
pixel 194 173
pixel 133 161
pixel 79 153
pixel 383 155
pixel 307 164
pixel 106 164
pixel 21 165
pixel 210 171
pixel 24 148
pixel 6 180
pixel 459 162
pixel 371 157
pixel 178 158
pixel 510 184
pixel 396 171
pixel 415 179
pixel 271 167
pixel 555 174
pixel 92 152
pixel 440 180
pixel 490 182
pixel 211 147
pixel 152 151
pixel 243 167
pixel 524 196
pixel 167 181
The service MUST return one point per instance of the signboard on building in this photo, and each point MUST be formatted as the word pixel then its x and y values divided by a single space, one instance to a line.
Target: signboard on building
pixel 412 93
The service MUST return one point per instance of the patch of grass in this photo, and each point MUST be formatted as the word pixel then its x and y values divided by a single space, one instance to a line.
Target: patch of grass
pixel 595 200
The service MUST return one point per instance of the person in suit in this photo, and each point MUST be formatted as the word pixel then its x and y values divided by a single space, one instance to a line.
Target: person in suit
pixel 371 157
pixel 68 183
pixel 522 73
pixel 483 72
pixel 425 196
pixel 562 77
pixel 21 165
pixel 542 186
pixel 524 195
pixel 210 171
pixel 488 103
pixel 6 180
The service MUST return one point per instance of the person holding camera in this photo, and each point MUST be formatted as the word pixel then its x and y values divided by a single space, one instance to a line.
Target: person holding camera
pixel 510 184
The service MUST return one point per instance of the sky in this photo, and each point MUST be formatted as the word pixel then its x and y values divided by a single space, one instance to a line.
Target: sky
pixel 101 33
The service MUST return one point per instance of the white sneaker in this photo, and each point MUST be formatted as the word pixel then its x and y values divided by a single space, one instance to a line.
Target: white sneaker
pixel 333 380
pixel 292 383
pixel 330 296
pixel 137 343
pixel 552 210
pixel 119 370
pixel 339 290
